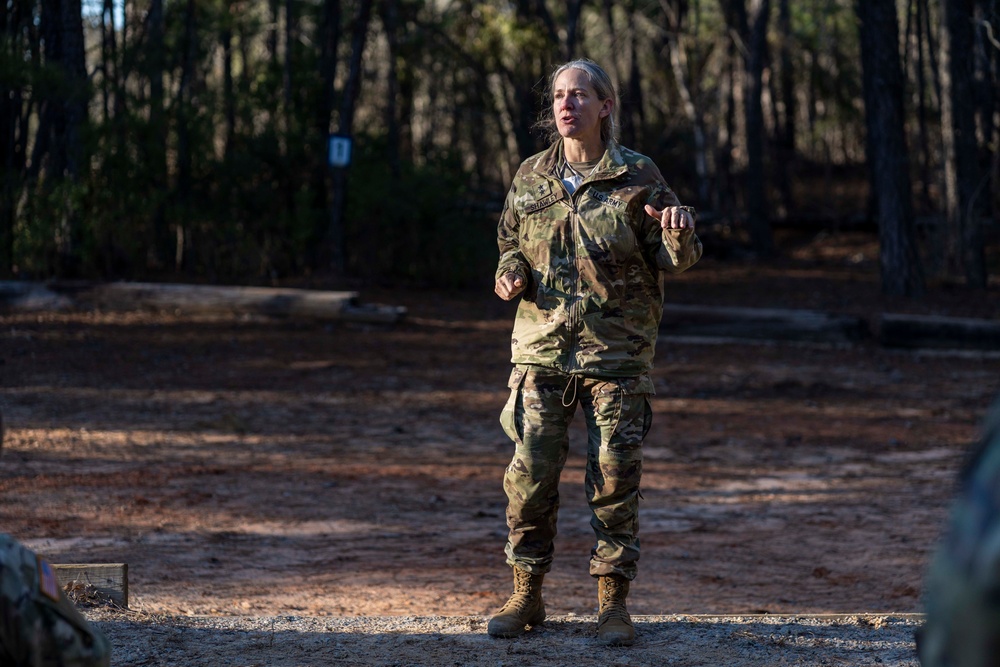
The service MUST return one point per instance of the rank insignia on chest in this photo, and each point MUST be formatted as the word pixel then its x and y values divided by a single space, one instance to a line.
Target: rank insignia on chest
pixel 543 189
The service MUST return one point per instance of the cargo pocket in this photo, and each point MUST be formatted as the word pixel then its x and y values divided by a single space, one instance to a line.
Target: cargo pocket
pixel 628 413
pixel 510 414
pixel 641 385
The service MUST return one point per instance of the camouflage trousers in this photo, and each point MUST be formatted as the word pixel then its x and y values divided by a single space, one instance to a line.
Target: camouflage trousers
pixel 536 417
pixel 39 626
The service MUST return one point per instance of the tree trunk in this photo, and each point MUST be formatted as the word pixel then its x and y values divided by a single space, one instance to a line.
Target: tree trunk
pixel 923 138
pixel 121 78
pixel 986 82
pixel 676 14
pixel 274 13
pixel 329 41
pixel 390 20
pixel 886 141
pixel 185 159
pixel 12 133
pixel 785 129
pixel 156 143
pixel 964 187
pixel 725 187
pixel 758 223
pixel 634 100
pixel 288 137
pixel 614 70
pixel 573 10
pixel 336 236
pixel 228 94
pixel 287 77
pixel 104 67
pixel 72 60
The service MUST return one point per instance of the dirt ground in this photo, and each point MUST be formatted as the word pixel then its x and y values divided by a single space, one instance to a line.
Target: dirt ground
pixel 251 467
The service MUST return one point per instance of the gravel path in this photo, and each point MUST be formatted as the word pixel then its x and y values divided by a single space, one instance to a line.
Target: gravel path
pixel 710 641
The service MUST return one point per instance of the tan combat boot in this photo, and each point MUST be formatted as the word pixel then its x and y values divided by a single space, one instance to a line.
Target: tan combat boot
pixel 614 625
pixel 525 606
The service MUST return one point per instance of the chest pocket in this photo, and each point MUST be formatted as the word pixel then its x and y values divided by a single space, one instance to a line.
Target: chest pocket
pixel 607 228
pixel 545 219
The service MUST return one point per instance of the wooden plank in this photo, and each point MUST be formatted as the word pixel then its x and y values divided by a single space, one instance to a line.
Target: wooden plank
pixel 925 331
pixel 109 580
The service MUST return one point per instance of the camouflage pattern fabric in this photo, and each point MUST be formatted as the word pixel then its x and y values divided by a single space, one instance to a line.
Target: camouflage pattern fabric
pixel 593 263
pixel 536 417
pixel 962 597
pixel 39 626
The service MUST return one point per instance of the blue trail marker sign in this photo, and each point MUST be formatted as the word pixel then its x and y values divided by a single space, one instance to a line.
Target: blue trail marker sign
pixel 339 150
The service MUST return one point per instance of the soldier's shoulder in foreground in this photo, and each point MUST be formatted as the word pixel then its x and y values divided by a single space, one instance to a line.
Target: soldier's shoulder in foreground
pixel 961 597
pixel 41 626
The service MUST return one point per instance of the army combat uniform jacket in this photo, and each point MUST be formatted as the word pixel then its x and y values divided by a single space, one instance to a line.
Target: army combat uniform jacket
pixel 593 263
pixel 39 626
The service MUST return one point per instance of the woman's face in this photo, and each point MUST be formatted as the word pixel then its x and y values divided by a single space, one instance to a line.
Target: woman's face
pixel 575 106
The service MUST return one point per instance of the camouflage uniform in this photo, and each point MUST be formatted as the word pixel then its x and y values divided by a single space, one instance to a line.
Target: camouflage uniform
pixel 39 626
pixel 585 332
pixel 962 597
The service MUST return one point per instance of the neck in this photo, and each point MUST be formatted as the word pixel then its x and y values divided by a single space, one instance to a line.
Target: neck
pixel 576 150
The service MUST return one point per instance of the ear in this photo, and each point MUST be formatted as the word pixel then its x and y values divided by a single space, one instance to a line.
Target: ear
pixel 606 108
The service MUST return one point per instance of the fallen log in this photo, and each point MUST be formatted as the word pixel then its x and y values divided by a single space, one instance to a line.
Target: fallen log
pixel 923 331
pixel 762 323
pixel 22 295
pixel 273 301
pixel 282 302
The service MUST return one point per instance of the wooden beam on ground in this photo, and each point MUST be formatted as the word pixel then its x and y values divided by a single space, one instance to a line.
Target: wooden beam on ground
pixel 108 580
pixel 923 331
pixel 274 301
pixel 762 323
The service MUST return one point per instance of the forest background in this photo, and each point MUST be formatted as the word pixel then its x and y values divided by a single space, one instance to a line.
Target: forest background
pixel 188 139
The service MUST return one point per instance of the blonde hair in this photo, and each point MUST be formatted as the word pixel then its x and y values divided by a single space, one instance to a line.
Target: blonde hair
pixel 604 88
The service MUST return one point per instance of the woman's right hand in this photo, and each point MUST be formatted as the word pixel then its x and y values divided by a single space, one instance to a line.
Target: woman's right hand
pixel 509 285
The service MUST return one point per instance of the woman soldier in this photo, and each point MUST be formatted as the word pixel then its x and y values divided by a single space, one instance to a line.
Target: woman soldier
pixel 589 229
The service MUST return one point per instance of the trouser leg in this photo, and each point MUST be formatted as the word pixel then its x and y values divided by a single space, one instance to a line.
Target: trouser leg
pixel 537 422
pixel 617 422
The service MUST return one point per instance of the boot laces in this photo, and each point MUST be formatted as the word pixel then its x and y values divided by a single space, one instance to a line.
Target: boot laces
pixel 613 605
pixel 522 597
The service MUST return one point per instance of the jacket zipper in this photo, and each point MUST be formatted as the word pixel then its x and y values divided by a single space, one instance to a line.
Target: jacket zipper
pixel 575 317
pixel 576 299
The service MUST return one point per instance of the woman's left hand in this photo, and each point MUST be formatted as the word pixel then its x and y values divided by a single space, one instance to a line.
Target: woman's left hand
pixel 672 217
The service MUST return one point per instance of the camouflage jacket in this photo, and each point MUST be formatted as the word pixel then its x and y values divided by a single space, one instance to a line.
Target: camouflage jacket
pixel 39 626
pixel 961 593
pixel 593 263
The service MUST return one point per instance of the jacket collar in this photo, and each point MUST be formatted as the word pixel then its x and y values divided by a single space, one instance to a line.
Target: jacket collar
pixel 612 164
